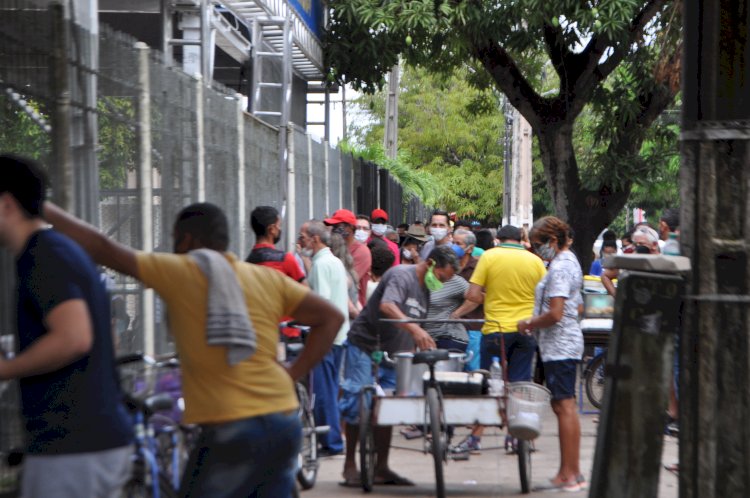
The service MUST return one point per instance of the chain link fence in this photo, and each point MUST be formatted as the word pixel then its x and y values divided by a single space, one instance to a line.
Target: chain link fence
pixel 129 141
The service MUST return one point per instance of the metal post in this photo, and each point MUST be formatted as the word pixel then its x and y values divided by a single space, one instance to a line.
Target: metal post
pixel 145 188
pixel 200 140
pixel 206 43
pixel 326 185
pixel 285 130
pixel 62 158
pixel 289 180
pixel 344 134
pixel 241 200
pixel 167 29
pixel 311 204
pixel 327 116
pixel 257 71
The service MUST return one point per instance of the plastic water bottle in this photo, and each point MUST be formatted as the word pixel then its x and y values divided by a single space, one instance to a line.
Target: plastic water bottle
pixel 496 377
pixel 671 246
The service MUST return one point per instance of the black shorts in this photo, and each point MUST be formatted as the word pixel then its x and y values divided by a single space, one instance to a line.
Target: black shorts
pixel 560 377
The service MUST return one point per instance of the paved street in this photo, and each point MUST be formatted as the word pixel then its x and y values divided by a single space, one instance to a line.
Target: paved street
pixel 491 474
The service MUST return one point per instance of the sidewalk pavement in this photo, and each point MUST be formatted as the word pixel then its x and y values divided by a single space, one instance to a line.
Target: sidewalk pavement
pixel 490 474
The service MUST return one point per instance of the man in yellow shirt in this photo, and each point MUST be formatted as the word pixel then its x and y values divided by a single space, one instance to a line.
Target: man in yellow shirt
pixel 504 280
pixel 247 409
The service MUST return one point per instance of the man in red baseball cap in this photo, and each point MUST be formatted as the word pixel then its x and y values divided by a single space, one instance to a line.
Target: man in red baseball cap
pixel 343 222
pixel 379 219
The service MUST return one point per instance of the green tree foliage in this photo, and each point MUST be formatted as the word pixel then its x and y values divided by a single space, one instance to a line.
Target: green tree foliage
pixel 451 131
pixel 20 134
pixel 117 151
pixel 620 57
pixel 414 182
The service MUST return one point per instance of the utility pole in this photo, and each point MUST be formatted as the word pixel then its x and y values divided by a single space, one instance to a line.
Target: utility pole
pixel 390 140
pixel 715 235
pixel 509 113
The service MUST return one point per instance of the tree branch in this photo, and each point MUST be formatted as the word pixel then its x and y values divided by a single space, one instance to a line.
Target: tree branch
pixel 558 52
pixel 504 70
pixel 600 44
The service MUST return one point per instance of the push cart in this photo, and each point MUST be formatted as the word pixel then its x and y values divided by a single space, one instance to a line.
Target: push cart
pixel 517 406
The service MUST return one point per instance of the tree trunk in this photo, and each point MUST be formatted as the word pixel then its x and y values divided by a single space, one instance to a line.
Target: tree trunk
pixel 588 212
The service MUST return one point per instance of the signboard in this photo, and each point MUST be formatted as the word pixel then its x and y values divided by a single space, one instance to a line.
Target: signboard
pixel 311 13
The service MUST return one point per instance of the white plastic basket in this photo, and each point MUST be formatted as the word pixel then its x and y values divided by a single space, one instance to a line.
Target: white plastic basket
pixel 526 404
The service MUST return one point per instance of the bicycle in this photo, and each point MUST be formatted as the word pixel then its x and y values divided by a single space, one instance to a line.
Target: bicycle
pixel 307 460
pixel 161 443
pixel 594 379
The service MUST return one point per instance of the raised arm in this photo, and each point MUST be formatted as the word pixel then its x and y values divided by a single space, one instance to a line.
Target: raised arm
pixel 103 250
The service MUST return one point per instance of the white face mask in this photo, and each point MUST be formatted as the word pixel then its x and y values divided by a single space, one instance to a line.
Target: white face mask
pixel 379 229
pixel 439 233
pixel 361 236
pixel 406 253
pixel 306 253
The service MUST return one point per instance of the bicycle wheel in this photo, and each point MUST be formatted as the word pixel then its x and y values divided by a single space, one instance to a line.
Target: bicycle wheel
pixel 307 471
pixel 593 379
pixel 140 484
pixel 438 439
pixel 524 464
pixel 367 457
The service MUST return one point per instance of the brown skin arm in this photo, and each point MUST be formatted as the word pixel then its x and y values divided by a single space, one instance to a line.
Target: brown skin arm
pixel 102 249
pixel 69 337
pixel 475 294
pixel 466 307
pixel 421 338
pixel 324 321
pixel 545 320
pixel 608 275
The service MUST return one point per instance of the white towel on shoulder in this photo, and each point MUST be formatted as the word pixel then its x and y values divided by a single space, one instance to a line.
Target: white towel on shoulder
pixel 227 322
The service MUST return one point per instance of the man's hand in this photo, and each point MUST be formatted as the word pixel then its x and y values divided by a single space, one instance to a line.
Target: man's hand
pixel 422 339
pixel 524 327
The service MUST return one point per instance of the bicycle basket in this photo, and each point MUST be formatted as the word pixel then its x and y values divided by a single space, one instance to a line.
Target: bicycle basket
pixel 526 404
pixel 137 380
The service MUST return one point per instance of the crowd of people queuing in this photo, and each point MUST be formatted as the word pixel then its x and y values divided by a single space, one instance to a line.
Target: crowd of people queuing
pixel 346 273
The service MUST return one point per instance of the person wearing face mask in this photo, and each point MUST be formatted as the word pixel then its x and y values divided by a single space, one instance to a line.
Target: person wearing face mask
pixel 504 282
pixel 415 237
pixel 266 224
pixel 403 293
pixel 646 241
pixel 440 231
pixel 379 226
pixel 363 229
pixel 343 222
pixel 555 323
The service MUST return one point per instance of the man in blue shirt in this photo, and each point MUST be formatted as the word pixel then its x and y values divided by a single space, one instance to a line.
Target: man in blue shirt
pixel 77 428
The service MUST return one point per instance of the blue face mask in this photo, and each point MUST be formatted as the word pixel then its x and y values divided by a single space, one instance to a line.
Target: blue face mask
pixel 458 250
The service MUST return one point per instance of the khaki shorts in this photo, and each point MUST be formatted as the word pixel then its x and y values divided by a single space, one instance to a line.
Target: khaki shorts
pixel 100 474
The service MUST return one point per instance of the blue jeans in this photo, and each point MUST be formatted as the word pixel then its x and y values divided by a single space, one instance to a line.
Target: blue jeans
pixel 254 457
pixel 325 377
pixel 519 353
pixel 357 374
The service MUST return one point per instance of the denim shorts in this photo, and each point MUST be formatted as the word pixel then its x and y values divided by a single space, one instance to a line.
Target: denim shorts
pixel 560 377
pixel 358 374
